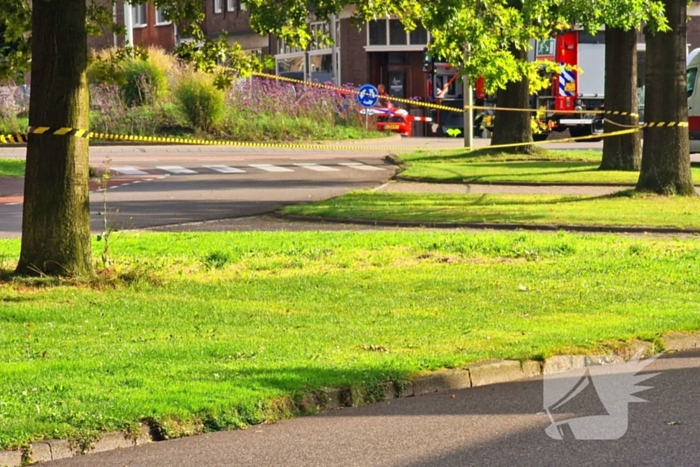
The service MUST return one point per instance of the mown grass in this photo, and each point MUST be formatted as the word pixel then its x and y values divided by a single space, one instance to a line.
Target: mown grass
pixel 214 331
pixel 493 166
pixel 523 172
pixel 11 168
pixel 626 208
pixel 494 155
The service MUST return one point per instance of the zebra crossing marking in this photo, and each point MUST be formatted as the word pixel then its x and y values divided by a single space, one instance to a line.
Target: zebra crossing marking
pixel 359 166
pixel 270 168
pixel 316 167
pixel 176 169
pixel 129 170
pixel 225 169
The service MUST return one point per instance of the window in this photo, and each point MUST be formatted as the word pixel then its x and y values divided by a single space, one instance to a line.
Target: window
pixel 315 62
pixel 160 18
pixel 243 6
pixel 217 6
pixel 139 15
pixel 397 34
pixel 390 34
pixel 419 35
pixel 230 5
pixel 691 78
pixel 377 33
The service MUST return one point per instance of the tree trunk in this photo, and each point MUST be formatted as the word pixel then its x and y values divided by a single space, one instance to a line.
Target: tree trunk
pixel 56 222
pixel 666 153
pixel 514 127
pixel 622 152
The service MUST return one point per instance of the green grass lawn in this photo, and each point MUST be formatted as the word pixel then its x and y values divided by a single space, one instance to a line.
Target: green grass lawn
pixel 225 329
pixel 494 155
pixel 11 168
pixel 489 166
pixel 623 209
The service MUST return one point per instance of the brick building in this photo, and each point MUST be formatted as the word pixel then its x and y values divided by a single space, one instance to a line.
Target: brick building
pixel 378 52
pixel 149 28
pixel 232 18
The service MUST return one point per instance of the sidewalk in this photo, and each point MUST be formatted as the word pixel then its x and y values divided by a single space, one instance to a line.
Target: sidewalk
pixel 456 188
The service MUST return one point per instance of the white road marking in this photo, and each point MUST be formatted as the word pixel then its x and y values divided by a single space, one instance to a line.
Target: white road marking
pixel 359 166
pixel 316 167
pixel 224 169
pixel 176 169
pixel 129 171
pixel 270 168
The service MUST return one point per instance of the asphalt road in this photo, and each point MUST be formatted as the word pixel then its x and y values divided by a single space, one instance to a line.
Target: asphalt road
pixel 157 185
pixel 498 425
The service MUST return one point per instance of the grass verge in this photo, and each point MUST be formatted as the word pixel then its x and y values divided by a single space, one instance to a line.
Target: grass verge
pixel 493 166
pixel 495 155
pixel 11 168
pixel 626 208
pixel 201 332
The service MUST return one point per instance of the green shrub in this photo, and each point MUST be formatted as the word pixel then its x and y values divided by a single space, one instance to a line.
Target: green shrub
pixel 144 82
pixel 11 124
pixel 200 101
pixel 142 76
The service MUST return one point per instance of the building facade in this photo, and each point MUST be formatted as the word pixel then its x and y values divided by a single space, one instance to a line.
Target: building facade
pixel 148 28
pixel 232 18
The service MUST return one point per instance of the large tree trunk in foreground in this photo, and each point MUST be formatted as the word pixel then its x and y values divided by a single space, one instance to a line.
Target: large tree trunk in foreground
pixel 622 152
pixel 666 154
pixel 514 127
pixel 56 222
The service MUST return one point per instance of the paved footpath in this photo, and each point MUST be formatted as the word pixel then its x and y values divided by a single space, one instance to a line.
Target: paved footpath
pixel 454 188
pixel 497 425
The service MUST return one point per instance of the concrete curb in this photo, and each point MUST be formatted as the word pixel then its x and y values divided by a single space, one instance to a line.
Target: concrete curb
pixel 475 375
pixel 489 225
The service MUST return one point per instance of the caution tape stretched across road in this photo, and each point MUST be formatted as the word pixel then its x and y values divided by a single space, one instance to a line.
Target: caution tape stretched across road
pixel 244 144
pixel 430 105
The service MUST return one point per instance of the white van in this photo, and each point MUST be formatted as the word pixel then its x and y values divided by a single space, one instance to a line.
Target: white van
pixel 693 65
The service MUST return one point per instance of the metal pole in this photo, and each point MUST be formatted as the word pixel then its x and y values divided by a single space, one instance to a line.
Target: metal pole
pixel 468 106
pixel 334 51
pixel 128 24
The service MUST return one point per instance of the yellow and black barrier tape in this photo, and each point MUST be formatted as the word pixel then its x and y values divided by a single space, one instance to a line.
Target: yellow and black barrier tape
pixel 13 139
pixel 317 146
pixel 431 105
pixel 59 131
pixel 617 112
pixel 664 124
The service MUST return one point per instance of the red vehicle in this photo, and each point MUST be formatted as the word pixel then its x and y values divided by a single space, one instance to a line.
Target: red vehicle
pixel 396 119
pixel 561 107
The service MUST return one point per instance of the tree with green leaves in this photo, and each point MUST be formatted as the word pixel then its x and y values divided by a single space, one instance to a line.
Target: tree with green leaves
pixel 666 153
pixel 56 216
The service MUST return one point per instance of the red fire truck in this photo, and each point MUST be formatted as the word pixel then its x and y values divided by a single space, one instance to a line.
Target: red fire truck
pixel 561 107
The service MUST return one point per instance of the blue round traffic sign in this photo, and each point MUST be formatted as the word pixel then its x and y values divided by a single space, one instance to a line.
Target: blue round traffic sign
pixel 368 96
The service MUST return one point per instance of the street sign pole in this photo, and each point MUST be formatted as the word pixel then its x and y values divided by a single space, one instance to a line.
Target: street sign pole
pixel 468 107
pixel 367 97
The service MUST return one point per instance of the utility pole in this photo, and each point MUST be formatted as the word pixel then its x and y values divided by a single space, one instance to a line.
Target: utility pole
pixel 334 51
pixel 129 24
pixel 468 105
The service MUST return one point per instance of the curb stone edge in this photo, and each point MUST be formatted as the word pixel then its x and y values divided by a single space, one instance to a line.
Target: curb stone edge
pixel 478 374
